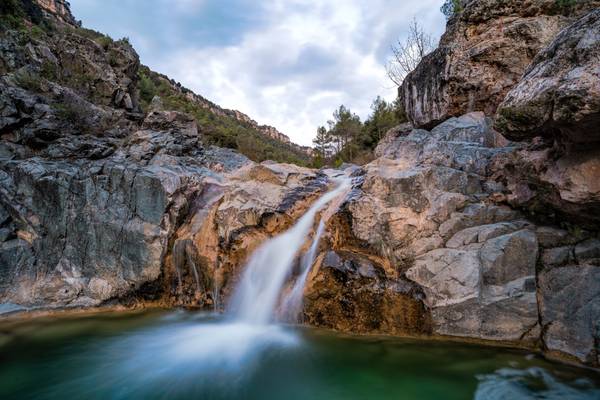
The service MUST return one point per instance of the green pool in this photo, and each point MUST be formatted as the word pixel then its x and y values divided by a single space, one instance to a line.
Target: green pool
pixel 186 355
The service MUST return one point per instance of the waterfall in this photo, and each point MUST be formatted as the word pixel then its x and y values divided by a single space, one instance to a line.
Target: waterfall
pixel 292 302
pixel 255 299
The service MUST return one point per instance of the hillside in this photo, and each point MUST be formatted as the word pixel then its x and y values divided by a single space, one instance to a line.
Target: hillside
pixel 130 86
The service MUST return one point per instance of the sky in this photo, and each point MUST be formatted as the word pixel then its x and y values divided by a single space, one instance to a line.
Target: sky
pixel 285 63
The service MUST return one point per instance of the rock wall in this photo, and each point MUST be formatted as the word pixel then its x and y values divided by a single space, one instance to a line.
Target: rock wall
pixel 95 194
pixel 59 10
pixel 559 94
pixel 427 243
pixel 482 55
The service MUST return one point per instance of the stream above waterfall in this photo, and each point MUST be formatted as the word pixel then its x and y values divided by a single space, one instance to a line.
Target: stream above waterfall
pixel 169 355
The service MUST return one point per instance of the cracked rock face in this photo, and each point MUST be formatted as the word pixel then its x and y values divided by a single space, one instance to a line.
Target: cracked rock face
pixel 433 207
pixel 482 55
pixel 559 94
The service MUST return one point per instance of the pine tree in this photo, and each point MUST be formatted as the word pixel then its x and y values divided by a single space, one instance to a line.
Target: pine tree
pixel 323 143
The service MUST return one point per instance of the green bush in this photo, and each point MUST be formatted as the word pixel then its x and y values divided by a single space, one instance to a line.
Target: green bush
pixel 451 7
pixel 11 14
pixel 565 5
pixel 29 80
pixel 104 41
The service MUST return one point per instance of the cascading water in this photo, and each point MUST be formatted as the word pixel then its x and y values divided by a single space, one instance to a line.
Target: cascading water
pixel 262 282
pixel 292 303
pixel 230 348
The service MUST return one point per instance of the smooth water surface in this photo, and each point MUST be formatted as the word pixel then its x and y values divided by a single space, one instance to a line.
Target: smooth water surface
pixel 186 355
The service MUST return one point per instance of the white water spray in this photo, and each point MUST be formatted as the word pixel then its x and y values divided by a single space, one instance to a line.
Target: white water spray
pixel 255 298
pixel 232 347
pixel 291 305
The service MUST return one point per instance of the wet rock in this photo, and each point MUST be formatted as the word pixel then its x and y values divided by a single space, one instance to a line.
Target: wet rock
pixel 349 292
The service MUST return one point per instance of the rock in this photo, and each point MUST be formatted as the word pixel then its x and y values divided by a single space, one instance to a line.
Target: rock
pixel 448 276
pixel 509 257
pixel 570 311
pixel 552 237
pixel 587 250
pixel 557 256
pixel 487 293
pixel 349 292
pixel 559 94
pixel 481 56
pixel 156 104
pixel 170 120
pixel 58 10
pixel 554 185
pixel 482 233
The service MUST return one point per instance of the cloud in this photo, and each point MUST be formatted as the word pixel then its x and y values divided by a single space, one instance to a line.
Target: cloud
pixel 286 63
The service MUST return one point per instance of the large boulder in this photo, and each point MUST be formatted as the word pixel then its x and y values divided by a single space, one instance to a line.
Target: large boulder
pixel 482 55
pixel 570 311
pixel 559 95
pixel 439 211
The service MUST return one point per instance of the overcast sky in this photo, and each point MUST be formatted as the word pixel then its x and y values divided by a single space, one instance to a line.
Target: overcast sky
pixel 286 63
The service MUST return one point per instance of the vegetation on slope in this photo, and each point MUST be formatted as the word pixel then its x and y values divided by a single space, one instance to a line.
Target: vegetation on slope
pixel 218 129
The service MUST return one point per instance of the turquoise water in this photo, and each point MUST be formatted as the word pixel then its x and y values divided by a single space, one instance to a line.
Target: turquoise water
pixel 186 355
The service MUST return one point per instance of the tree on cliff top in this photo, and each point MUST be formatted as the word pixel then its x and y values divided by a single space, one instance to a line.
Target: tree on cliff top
pixel 450 7
pixel 407 54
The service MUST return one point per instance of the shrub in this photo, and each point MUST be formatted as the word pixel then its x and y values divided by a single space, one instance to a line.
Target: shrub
pixel 29 80
pixel 451 7
pixel 11 14
pixel 104 41
pixel 565 5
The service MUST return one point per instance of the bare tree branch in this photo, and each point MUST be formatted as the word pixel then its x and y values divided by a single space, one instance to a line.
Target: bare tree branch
pixel 407 54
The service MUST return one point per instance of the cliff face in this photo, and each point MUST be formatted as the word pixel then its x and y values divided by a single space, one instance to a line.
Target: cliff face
pixel 499 237
pixel 58 9
pixel 93 188
pixel 215 109
pixel 482 55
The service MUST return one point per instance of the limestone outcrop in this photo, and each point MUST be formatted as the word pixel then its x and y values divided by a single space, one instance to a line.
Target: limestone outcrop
pixel 429 223
pixel 483 53
pixel 559 95
pixel 95 193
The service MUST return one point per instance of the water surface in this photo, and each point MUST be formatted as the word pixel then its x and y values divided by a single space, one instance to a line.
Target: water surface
pixel 187 355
